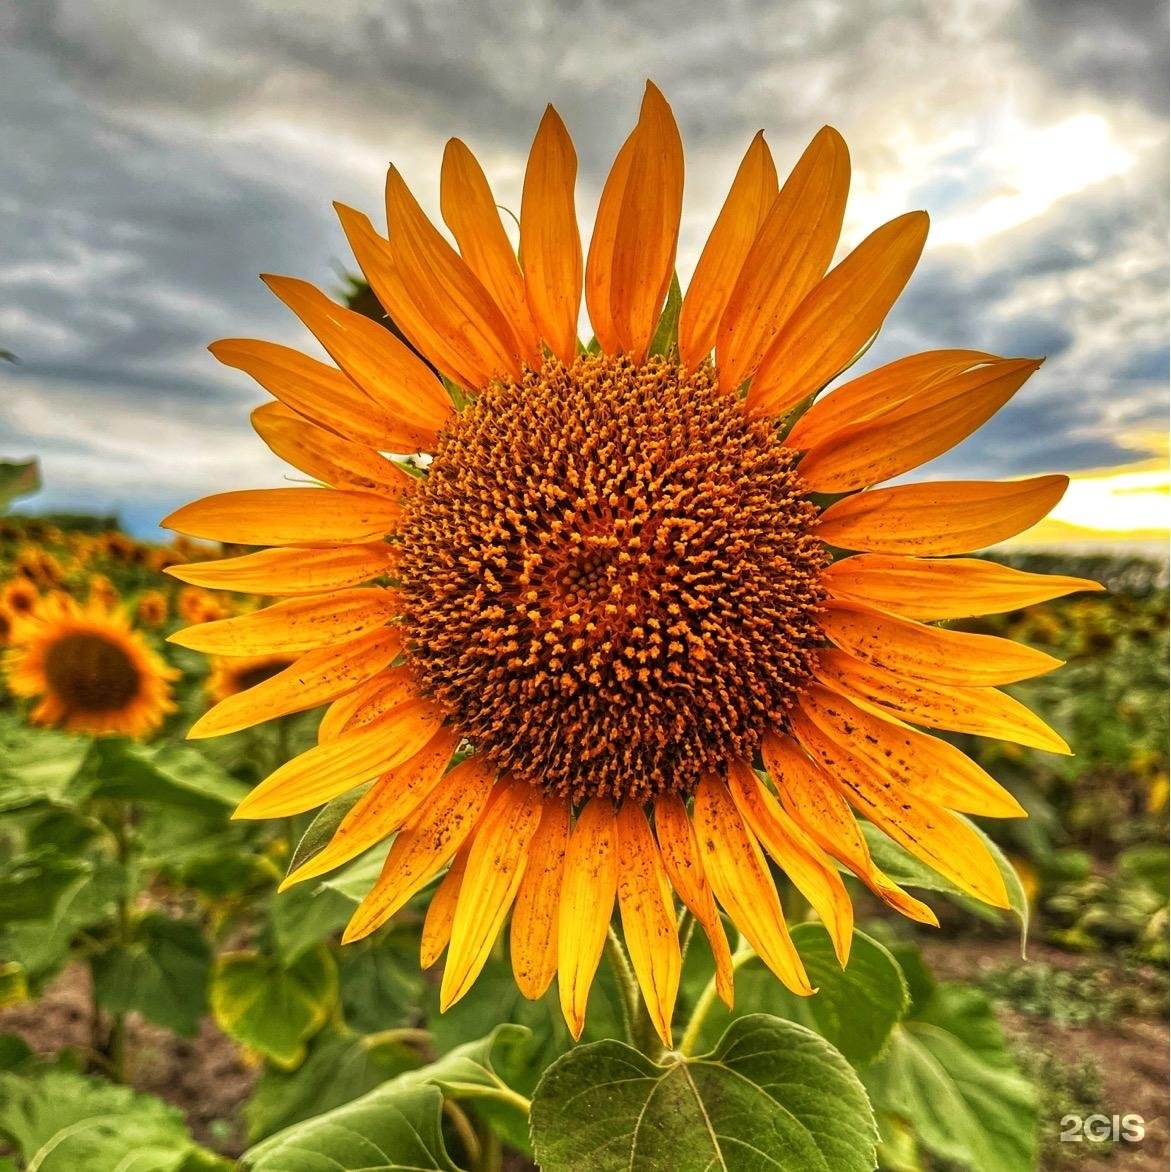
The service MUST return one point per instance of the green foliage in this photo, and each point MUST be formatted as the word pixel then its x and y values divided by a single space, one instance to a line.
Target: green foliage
pixel 270 1007
pixel 17 479
pixel 772 1094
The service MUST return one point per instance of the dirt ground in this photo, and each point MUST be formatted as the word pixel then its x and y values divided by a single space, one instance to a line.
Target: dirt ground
pixel 209 1080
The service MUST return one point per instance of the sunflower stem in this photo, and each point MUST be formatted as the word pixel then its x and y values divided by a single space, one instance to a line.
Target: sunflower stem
pixel 627 985
pixel 703 1006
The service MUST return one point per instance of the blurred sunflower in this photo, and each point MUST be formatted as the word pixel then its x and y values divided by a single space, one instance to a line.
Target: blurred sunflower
pixel 199 606
pixel 230 676
pixel 672 628
pixel 152 608
pixel 89 670
pixel 19 597
pixel 7 622
pixel 102 590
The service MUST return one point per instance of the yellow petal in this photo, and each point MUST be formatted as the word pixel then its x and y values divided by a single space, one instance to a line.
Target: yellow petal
pixel 290 570
pixel 322 394
pixel 300 624
pixel 929 653
pixel 676 837
pixel 789 256
pixel 407 305
pixel 495 864
pixel 326 457
pixel 811 871
pixel 446 292
pixel 739 875
pixel 647 231
pixel 383 808
pixel 430 836
pixel 928 831
pixel 949 588
pixel 315 678
pixel 983 712
pixel 954 516
pixel 918 765
pixel 366 703
pixel 749 199
pixel 648 917
pixel 287 516
pixel 326 771
pixel 550 243
pixel 532 934
pixel 815 804
pixel 466 202
pixel 587 899
pixel 370 354
pixel 832 325
pixel 873 394
pixel 917 430
pixel 600 259
pixel 441 910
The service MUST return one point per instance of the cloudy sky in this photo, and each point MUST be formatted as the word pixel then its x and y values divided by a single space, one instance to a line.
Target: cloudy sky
pixel 158 156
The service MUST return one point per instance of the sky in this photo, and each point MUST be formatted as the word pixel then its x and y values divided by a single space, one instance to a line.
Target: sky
pixel 158 157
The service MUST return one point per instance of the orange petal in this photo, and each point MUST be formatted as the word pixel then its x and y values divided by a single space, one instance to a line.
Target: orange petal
pixel 587 899
pixel 325 456
pixel 367 703
pixel 441 910
pixel 322 394
pixel 290 570
pixel 877 392
pixel 789 256
pixel 600 259
pixel 929 653
pixel 445 290
pixel 430 836
pixel 648 917
pixel 680 855
pixel 407 305
pixel 917 764
pixel 751 195
pixel 386 369
pixel 383 808
pixel 831 326
pixel 495 864
pixel 983 712
pixel 917 430
pixel 647 231
pixel 951 588
pixel 811 871
pixel 324 772
pixel 954 516
pixel 928 831
pixel 301 624
pixel 316 678
pixel 469 210
pixel 287 516
pixel 550 243
pixel 533 930
pixel 815 803
pixel 739 875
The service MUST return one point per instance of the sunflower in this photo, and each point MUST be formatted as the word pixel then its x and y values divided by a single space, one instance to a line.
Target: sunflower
pixel 92 672
pixel 232 675
pixel 199 606
pixel 647 586
pixel 19 596
pixel 152 608
pixel 7 622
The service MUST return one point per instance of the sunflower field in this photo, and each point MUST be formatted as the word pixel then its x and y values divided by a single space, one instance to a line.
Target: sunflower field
pixel 627 779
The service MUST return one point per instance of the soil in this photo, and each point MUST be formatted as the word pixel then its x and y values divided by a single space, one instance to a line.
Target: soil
pixel 208 1079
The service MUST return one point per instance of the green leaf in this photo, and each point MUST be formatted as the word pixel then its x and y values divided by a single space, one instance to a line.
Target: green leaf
pixel 302 917
pixel 176 775
pixel 395 1128
pixel 854 1008
pixel 948 1077
pixel 32 884
pixel 37 765
pixel 270 1007
pixel 771 1095
pixel 908 871
pixel 666 336
pixel 17 479
pixel 62 1122
pixel 162 973
pixel 338 1069
pixel 322 828
pixel 381 982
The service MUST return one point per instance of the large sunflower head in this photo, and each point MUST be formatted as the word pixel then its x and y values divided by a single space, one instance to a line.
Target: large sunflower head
pixel 88 670
pixel 645 581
